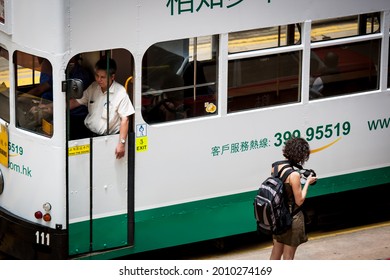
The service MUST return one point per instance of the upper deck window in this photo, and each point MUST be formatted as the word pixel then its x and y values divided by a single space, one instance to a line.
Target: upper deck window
pixel 4 85
pixel 258 79
pixel 344 27
pixel 34 87
pixel 345 67
pixel 179 79
pixel 264 38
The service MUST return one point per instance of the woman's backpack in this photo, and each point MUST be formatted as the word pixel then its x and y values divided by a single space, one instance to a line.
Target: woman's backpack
pixel 270 206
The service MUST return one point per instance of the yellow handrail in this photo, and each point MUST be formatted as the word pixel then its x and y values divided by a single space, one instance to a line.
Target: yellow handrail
pixel 129 79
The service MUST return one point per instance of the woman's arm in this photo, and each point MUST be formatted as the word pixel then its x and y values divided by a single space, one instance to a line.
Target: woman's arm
pixel 299 192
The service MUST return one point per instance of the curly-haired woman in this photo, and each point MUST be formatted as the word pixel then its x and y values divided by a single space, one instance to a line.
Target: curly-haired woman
pixel 297 152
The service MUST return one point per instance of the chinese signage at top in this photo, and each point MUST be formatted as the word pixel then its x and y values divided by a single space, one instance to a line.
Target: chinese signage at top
pixel 178 7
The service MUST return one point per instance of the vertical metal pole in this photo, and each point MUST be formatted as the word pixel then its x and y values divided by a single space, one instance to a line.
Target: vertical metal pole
pixel 195 64
pixel 91 194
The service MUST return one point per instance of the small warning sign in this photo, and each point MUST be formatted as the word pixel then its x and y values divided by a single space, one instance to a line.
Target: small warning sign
pixel 78 150
pixel 3 145
pixel 141 144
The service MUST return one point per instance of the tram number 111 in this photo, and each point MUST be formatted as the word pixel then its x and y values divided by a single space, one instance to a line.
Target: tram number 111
pixel 42 238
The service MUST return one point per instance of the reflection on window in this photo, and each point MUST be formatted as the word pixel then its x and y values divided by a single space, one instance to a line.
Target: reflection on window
pixel 179 79
pixel 264 38
pixel 4 85
pixel 343 69
pixel 34 93
pixel 264 81
pixel 345 27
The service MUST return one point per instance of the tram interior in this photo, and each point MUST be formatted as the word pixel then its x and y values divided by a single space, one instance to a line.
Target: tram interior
pixel 175 86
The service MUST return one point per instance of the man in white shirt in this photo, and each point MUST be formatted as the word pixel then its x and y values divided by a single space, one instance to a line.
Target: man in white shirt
pixel 119 105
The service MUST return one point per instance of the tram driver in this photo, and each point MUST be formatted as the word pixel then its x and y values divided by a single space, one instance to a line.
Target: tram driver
pixel 95 98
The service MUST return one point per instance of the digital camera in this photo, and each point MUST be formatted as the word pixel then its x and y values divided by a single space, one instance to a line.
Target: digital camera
pixel 306 173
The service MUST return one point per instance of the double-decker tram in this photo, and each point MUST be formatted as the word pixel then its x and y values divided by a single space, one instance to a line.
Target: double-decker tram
pixel 217 87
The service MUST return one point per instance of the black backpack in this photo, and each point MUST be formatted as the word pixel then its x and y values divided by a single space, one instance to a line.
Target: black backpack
pixel 271 208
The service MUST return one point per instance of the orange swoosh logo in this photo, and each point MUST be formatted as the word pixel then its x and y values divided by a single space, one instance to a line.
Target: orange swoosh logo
pixel 324 147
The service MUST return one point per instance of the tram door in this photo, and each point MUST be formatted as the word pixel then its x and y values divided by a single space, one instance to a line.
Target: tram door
pixel 99 207
pixel 98 198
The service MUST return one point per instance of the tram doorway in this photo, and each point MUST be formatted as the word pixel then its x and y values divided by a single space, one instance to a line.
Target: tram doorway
pixel 100 188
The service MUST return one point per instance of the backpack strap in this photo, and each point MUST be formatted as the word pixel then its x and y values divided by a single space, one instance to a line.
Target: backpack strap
pixel 286 174
pixel 276 163
pixel 277 172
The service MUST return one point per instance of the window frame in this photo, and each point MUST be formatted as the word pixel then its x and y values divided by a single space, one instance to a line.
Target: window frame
pixel 33 113
pixel 349 41
pixel 297 47
pixel 193 95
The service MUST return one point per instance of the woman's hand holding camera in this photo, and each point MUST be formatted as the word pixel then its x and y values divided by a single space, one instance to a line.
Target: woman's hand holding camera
pixel 308 175
pixel 312 179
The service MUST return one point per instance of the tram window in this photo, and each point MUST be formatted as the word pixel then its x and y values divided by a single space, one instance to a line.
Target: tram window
pixel 33 88
pixel 345 27
pixel 179 79
pixel 4 85
pixel 345 69
pixel 263 38
pixel 263 81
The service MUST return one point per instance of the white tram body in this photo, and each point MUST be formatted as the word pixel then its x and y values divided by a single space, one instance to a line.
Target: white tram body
pixel 191 177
